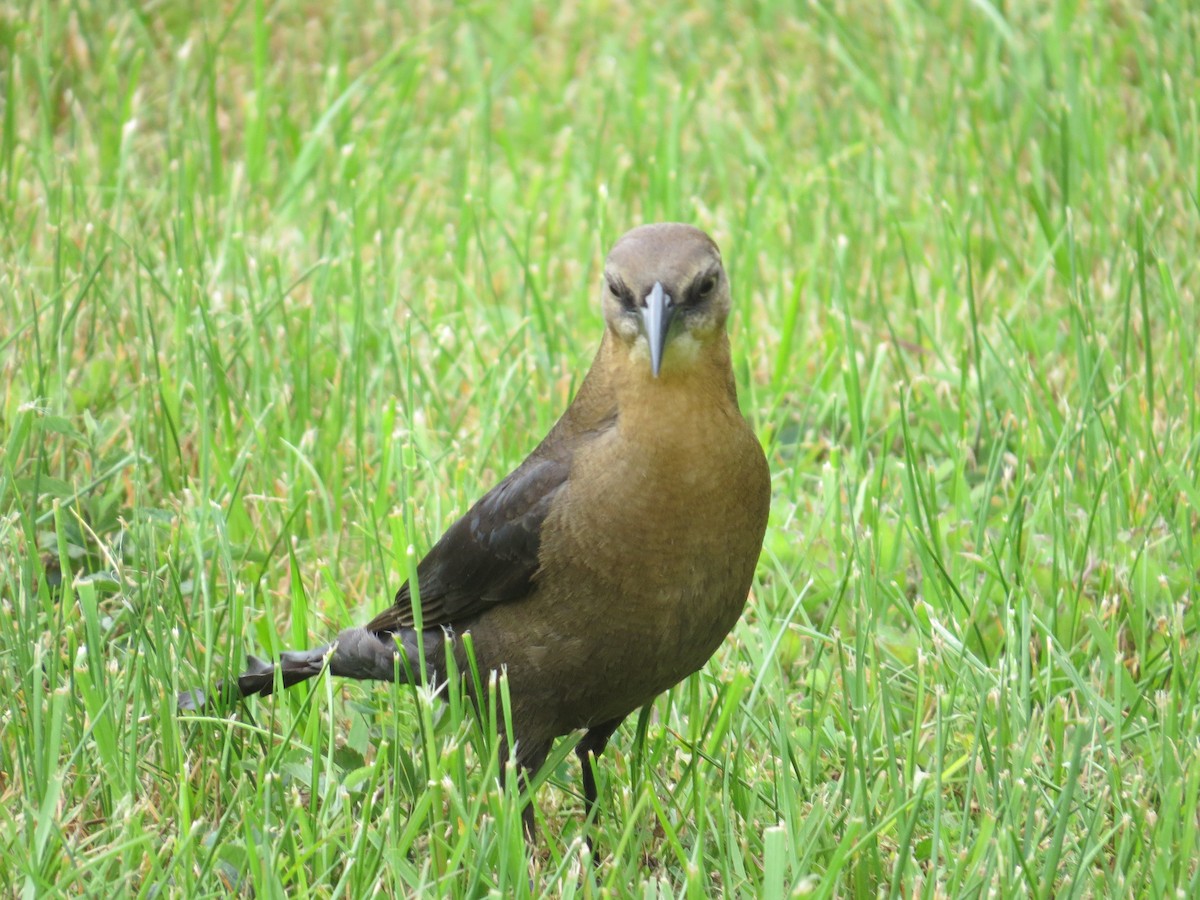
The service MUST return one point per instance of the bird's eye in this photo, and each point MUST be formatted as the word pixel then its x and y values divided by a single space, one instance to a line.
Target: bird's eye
pixel 701 290
pixel 621 294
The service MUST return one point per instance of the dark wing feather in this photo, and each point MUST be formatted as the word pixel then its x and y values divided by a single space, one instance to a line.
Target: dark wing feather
pixel 488 556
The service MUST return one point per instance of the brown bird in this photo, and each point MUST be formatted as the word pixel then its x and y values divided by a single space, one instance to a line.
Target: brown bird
pixel 615 559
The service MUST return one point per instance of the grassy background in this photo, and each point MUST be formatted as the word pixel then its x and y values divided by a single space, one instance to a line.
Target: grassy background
pixel 284 287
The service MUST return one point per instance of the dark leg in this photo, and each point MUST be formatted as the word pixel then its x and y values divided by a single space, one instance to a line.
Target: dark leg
pixel 295 666
pixel 357 653
pixel 592 745
pixel 528 763
pixel 528 813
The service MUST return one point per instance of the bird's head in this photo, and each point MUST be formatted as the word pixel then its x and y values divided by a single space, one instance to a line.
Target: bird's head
pixel 666 296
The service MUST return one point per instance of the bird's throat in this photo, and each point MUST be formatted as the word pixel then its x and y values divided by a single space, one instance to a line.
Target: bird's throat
pixel 693 385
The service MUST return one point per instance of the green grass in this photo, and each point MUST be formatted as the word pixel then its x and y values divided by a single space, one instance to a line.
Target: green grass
pixel 284 288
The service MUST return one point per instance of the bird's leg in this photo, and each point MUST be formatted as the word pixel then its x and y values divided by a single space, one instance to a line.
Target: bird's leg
pixel 584 752
pixel 528 761
pixel 357 653
pixel 529 822
pixel 295 666
pixel 589 748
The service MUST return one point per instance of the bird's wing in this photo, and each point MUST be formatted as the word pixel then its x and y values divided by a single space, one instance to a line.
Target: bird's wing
pixel 488 556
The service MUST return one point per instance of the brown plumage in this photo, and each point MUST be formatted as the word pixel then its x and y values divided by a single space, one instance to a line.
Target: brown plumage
pixel 615 559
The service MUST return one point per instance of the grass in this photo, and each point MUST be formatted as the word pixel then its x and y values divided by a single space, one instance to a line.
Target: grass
pixel 285 287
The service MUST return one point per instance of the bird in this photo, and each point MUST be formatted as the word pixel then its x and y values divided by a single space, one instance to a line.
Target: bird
pixel 611 563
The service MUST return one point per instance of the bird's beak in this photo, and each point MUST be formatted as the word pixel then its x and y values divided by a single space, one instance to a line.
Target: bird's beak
pixel 657 318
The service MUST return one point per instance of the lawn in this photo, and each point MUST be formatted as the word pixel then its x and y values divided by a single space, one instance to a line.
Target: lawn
pixel 284 287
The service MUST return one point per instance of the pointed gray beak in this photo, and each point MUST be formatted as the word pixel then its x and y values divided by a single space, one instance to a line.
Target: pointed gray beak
pixel 656 316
